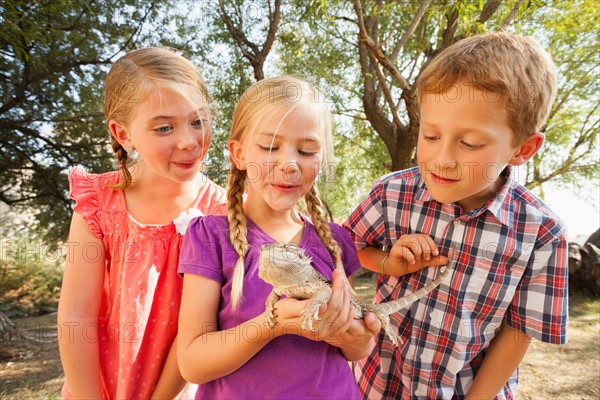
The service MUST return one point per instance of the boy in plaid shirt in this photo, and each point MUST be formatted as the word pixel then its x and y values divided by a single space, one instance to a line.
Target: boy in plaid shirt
pixel 483 102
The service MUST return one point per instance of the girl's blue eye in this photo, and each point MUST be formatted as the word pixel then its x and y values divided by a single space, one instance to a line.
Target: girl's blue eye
pixel 164 129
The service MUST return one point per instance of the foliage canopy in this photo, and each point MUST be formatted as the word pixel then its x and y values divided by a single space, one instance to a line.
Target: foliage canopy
pixel 365 55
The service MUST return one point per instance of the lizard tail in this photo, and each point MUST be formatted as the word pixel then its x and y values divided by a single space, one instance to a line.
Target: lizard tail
pixel 396 305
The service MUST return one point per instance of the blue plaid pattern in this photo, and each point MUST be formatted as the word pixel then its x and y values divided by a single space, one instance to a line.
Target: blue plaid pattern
pixel 511 265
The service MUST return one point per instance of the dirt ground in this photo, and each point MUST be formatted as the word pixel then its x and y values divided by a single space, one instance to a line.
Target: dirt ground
pixel 552 372
pixel 35 375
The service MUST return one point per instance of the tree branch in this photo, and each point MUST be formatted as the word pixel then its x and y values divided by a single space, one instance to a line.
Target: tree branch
pixel 274 18
pixel 448 36
pixel 375 49
pixel 137 29
pixel 411 28
pixel 237 33
pixel 488 10
pixel 567 93
pixel 255 54
pixel 511 16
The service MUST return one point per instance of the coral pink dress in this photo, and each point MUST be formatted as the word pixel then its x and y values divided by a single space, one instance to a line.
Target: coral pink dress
pixel 142 290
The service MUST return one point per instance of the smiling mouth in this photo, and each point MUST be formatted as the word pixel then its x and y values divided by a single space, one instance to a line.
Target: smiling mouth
pixel 439 179
pixel 186 164
pixel 285 187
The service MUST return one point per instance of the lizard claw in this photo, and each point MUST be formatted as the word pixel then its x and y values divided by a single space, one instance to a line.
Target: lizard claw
pixel 270 318
pixel 308 316
pixel 269 321
pixel 307 321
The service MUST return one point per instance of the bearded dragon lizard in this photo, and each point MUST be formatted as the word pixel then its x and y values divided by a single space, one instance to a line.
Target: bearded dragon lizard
pixel 288 269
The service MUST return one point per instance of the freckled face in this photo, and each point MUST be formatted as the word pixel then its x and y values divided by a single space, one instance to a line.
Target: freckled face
pixel 464 144
pixel 171 136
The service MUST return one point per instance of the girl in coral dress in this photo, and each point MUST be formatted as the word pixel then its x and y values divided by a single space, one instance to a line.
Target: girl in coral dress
pixel 120 297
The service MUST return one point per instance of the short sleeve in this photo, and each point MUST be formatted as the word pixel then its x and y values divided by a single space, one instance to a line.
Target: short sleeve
pixel 349 254
pixel 212 199
pixel 218 209
pixel 366 224
pixel 201 252
pixel 83 189
pixel 540 305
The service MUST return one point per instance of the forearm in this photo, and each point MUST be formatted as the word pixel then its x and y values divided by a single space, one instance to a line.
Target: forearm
pixel 374 259
pixel 78 344
pixel 501 360
pixel 171 383
pixel 357 342
pixel 400 261
pixel 215 354
pixel 358 349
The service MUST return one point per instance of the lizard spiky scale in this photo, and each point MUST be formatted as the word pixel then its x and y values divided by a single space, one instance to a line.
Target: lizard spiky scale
pixel 290 272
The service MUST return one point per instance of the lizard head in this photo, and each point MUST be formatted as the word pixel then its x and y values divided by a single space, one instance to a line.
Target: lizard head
pixel 283 264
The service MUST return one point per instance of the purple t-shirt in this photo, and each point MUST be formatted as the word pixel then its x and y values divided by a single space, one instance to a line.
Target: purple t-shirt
pixel 290 366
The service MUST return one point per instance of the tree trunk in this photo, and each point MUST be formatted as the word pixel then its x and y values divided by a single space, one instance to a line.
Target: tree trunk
pixel 12 342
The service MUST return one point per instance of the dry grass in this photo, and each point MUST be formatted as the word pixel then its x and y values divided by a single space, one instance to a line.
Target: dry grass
pixel 36 375
pixel 549 372
pixel 571 371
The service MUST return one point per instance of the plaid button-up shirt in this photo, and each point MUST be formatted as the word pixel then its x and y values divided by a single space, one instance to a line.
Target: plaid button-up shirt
pixel 511 265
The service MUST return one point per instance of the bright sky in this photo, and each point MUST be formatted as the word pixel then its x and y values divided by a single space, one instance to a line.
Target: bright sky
pixel 580 213
pixel 579 210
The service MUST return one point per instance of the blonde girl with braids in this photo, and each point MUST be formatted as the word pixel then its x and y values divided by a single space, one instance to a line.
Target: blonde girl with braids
pixel 280 139
pixel 120 297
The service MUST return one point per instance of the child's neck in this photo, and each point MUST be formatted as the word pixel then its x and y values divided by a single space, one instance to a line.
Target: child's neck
pixel 284 227
pixel 160 202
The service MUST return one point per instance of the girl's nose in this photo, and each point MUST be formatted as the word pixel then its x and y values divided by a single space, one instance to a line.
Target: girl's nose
pixel 290 167
pixel 290 171
pixel 188 138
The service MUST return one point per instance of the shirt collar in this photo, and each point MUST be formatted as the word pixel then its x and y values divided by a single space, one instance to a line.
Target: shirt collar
pixel 422 194
pixel 500 206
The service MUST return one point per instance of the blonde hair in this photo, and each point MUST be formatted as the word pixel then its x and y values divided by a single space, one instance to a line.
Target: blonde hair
pixel 263 99
pixel 514 68
pixel 133 76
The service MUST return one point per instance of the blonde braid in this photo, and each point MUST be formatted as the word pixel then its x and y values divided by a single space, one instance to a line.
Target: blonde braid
pixel 315 210
pixel 237 229
pixel 122 160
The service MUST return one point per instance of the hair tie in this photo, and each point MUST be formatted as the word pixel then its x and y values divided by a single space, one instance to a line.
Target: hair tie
pixel 123 166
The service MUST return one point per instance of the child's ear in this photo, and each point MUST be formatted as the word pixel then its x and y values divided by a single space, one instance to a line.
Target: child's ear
pixel 237 154
pixel 528 149
pixel 118 131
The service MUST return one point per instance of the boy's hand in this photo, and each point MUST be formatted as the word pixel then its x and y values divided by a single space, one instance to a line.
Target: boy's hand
pixel 413 252
pixel 413 247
